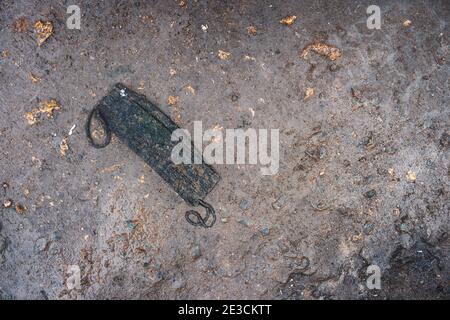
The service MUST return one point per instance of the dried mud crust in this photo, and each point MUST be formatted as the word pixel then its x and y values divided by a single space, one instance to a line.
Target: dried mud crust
pixel 364 144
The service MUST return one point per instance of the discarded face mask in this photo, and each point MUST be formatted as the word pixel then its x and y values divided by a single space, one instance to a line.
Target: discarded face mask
pixel 147 131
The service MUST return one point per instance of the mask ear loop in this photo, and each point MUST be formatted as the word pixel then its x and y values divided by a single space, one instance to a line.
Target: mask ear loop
pixel 104 125
pixel 194 218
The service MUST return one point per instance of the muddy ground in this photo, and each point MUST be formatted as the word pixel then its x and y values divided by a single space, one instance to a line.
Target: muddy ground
pixel 364 169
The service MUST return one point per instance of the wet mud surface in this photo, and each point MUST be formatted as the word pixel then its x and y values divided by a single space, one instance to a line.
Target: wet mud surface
pixel 364 150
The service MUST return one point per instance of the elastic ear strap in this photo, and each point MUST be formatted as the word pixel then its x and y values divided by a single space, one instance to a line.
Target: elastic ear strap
pixel 198 220
pixel 104 125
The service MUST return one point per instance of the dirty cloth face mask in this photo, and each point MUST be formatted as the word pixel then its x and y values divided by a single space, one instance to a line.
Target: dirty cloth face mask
pixel 148 131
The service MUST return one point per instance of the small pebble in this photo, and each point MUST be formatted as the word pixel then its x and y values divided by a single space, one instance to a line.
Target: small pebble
pixel 343 211
pixel 130 224
pixel 280 202
pixel 390 150
pixel 430 164
pixel 40 245
pixel 56 236
pixel 265 231
pixel 245 204
pixel 333 67
pixel 7 203
pixel 368 228
pixel 159 276
pixel 368 179
pixel 322 152
pixel 244 222
pixel 177 284
pixel 304 262
pixel 403 227
pixel 234 97
pixel 370 194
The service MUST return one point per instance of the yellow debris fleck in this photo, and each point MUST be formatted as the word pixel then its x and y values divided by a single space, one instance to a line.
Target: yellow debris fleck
pixel 190 89
pixel 7 203
pixel 309 93
pixel 217 137
pixel 323 49
pixel 43 30
pixel 411 176
pixel 34 78
pixel 31 118
pixel 249 58
pixel 251 30
pixel 357 237
pixel 112 168
pixel 147 18
pixel 224 55
pixel 171 100
pixel 63 147
pixel 47 107
pixel 288 21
